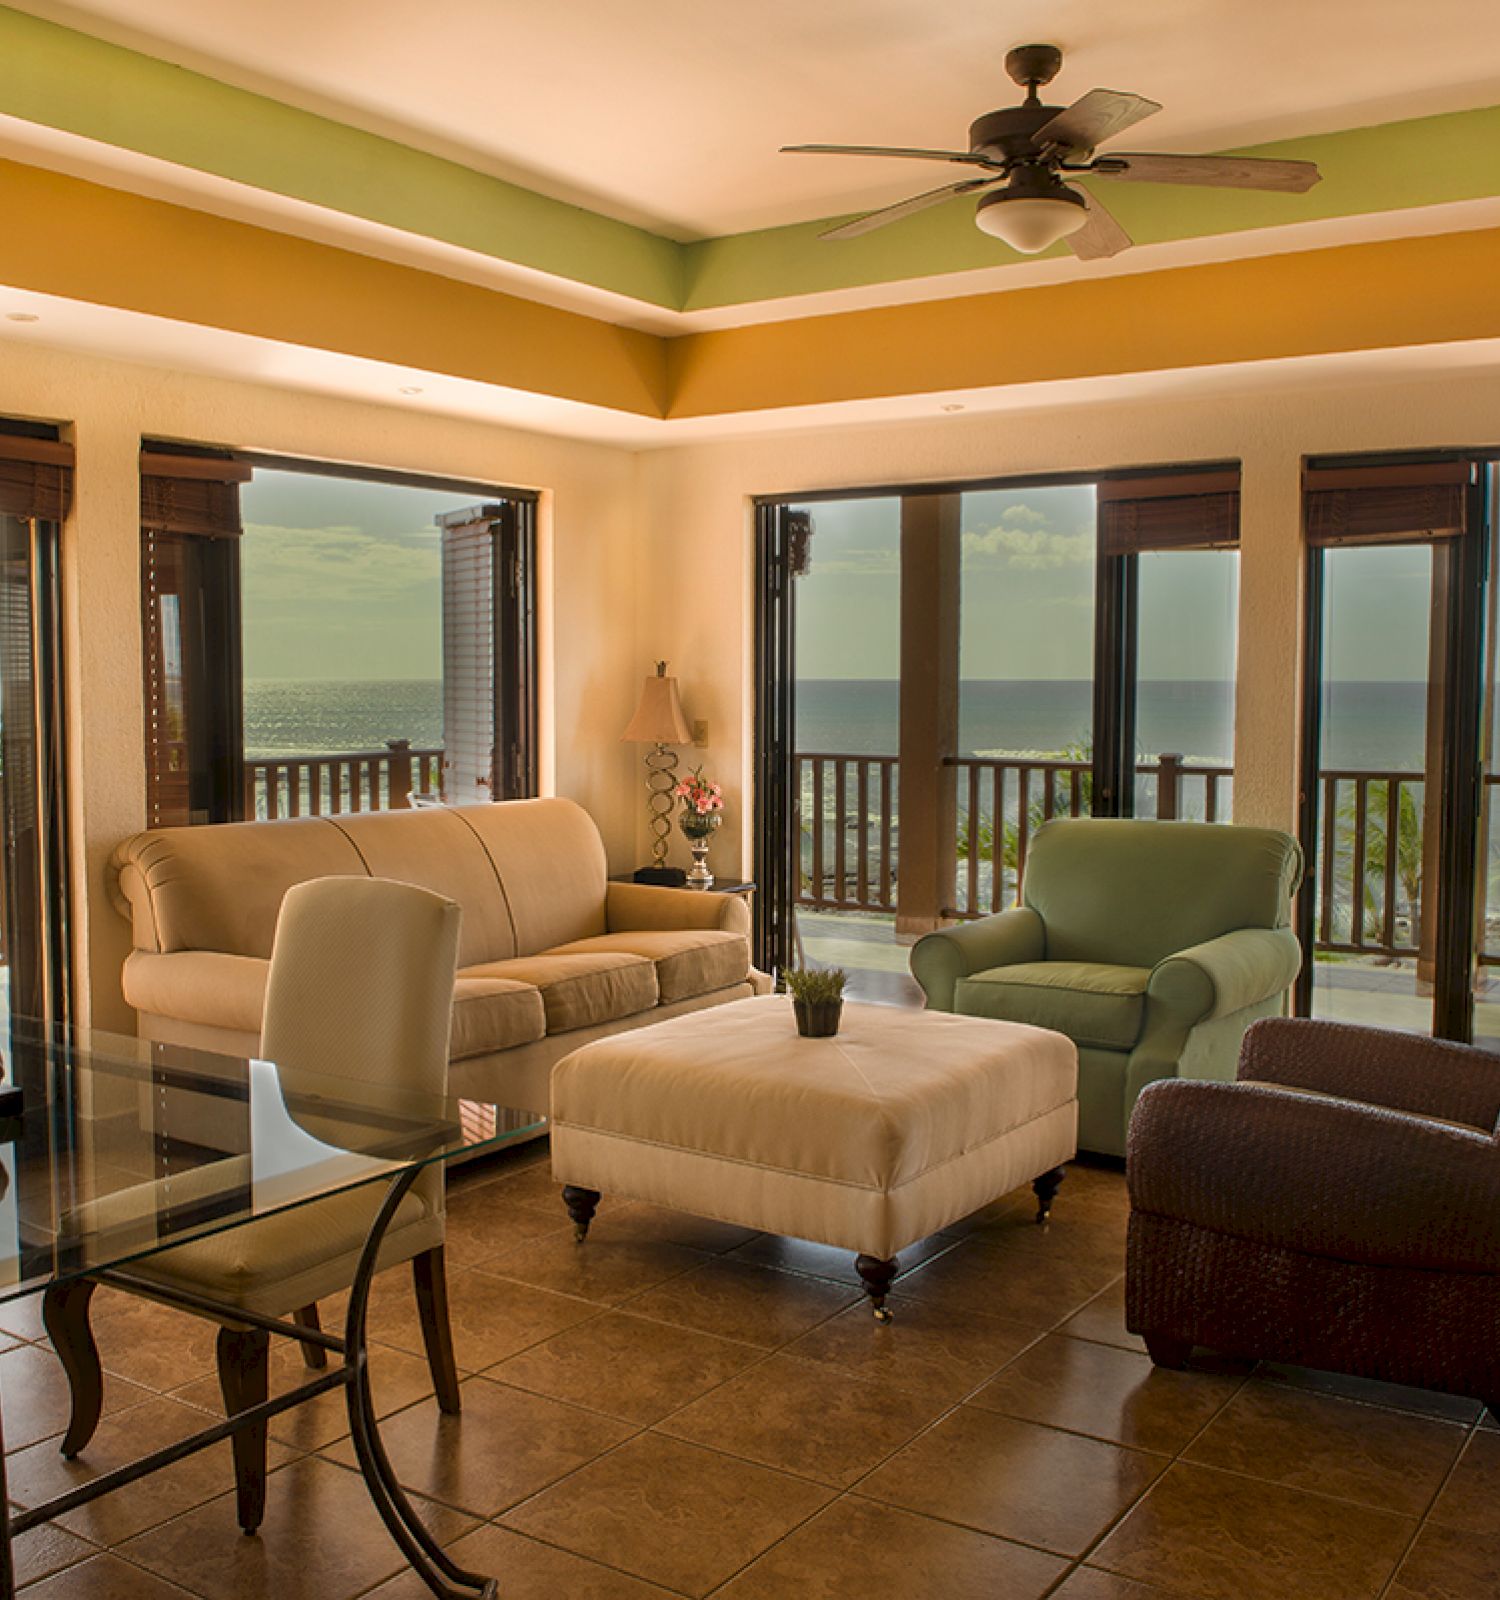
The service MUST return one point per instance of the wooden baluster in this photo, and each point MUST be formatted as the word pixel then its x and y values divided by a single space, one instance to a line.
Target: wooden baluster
pixel 972 830
pixel 1023 821
pixel 1211 797
pixel 1330 820
pixel 840 831
pixel 887 822
pixel 819 895
pixel 997 836
pixel 273 791
pixel 862 884
pixel 1168 779
pixel 1392 859
pixel 398 766
pixel 1357 894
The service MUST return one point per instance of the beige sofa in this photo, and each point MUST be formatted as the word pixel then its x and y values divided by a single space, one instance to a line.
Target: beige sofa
pixel 551 956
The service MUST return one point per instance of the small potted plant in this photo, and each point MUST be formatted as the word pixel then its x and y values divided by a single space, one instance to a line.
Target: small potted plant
pixel 817 999
pixel 702 812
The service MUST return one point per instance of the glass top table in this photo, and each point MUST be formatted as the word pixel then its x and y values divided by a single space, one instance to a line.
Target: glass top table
pixel 122 1148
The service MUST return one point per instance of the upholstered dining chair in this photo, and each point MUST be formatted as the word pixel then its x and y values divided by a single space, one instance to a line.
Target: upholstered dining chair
pixel 1337 1207
pixel 360 986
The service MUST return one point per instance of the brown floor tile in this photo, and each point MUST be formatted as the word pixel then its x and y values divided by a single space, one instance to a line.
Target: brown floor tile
pixel 46 1550
pixel 150 1344
pixel 1330 1446
pixel 491 1317
pixel 1079 1236
pixel 1224 1537
pixel 1103 1320
pixel 534 1186
pixel 1446 1564
pixel 1393 1396
pixel 1112 1394
pixel 824 1261
pixel 1015 1479
pixel 527 1570
pixel 751 1304
pixel 1029 1286
pixel 634 1219
pixel 506 1444
pixel 936 1352
pixel 483 1220
pixel 606 1267
pixel 396 1380
pixel 856 1547
pixel 1089 1583
pixel 322 1540
pixel 40 1473
pixel 36 1400
pixel 630 1367
pixel 670 1513
pixel 1471 1497
pixel 105 1578
pixel 804 1417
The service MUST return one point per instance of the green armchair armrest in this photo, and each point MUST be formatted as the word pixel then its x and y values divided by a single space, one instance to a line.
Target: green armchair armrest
pixel 939 960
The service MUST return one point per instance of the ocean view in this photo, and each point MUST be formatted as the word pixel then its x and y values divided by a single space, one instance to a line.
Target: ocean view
pixel 1375 725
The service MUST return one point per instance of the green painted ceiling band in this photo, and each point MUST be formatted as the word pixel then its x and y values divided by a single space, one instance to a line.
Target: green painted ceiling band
pixel 60 78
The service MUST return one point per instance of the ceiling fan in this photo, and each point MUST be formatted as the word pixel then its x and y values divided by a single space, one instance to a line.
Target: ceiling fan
pixel 1023 153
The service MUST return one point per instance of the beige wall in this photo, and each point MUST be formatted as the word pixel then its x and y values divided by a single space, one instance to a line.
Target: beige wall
pixel 589 576
pixel 696 533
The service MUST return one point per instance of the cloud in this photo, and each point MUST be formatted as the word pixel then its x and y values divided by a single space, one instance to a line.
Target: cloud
pixel 338 564
pixel 884 560
pixel 1029 549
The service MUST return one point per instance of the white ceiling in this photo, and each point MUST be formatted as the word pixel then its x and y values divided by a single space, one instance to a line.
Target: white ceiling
pixel 669 113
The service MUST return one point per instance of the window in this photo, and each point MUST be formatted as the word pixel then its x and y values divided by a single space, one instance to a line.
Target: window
pixel 320 640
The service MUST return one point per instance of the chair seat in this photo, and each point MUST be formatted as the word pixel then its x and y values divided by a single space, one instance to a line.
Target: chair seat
pixel 1092 1003
pixel 689 961
pixel 580 990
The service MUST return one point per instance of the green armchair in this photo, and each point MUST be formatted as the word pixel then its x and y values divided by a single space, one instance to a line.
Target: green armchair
pixel 1152 945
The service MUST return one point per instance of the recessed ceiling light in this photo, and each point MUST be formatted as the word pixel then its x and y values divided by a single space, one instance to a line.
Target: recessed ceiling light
pixel 952 408
pixel 410 388
pixel 22 316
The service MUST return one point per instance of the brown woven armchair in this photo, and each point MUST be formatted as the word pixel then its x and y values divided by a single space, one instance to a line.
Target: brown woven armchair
pixel 1336 1207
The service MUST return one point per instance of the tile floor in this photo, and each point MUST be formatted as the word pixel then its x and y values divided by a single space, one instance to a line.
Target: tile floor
pixel 684 1408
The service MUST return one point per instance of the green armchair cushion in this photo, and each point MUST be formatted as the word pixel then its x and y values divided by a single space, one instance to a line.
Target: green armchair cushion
pixel 1093 1004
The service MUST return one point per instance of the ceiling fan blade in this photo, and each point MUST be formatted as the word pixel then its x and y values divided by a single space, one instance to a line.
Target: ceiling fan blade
pixel 905 208
pixel 1220 172
pixel 1099 115
pixel 1101 236
pixel 968 157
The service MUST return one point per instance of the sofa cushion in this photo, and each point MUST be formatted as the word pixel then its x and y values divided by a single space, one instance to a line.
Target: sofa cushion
pixel 688 961
pixel 580 990
pixel 494 1014
pixel 1093 1004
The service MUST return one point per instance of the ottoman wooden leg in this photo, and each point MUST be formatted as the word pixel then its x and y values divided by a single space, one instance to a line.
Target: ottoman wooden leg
pixel 1045 1188
pixel 581 1204
pixel 876 1275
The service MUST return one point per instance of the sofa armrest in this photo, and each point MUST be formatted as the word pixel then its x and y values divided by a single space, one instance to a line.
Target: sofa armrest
pixel 939 960
pixel 1321 1176
pixel 643 907
pixel 199 986
pixel 1429 1077
pixel 1226 974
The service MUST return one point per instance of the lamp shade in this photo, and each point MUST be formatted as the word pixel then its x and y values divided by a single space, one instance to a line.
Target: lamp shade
pixel 1030 222
pixel 658 718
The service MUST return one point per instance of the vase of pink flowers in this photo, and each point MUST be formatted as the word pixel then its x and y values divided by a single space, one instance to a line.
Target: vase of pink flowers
pixel 702 812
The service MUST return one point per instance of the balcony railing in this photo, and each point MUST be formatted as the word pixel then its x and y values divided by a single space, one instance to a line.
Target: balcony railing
pixel 850 861
pixel 326 785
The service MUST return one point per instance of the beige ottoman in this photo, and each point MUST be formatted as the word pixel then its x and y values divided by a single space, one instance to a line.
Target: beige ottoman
pixel 899 1126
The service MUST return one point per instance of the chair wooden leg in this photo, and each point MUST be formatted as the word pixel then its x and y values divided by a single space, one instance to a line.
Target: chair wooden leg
pixel 245 1381
pixel 65 1313
pixel 312 1355
pixel 429 1276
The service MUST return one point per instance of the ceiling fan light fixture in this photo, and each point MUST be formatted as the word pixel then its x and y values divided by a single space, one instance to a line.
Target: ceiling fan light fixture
pixel 1030 222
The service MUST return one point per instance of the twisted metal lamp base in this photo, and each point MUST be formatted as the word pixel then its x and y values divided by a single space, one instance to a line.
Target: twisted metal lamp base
pixel 661 779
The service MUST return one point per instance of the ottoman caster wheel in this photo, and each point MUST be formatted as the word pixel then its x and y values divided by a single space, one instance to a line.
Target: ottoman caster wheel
pixel 884 1315
pixel 876 1275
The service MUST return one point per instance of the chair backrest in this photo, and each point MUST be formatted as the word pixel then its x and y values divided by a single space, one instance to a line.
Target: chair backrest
pixel 1131 893
pixel 361 982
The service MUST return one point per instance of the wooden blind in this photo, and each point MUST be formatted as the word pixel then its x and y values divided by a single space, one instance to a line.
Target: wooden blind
pixel 194 495
pixel 36 478
pixel 469 661
pixel 1172 511
pixel 1399 504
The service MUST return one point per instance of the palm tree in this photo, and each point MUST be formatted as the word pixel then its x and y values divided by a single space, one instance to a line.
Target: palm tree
pixel 978 835
pixel 1408 846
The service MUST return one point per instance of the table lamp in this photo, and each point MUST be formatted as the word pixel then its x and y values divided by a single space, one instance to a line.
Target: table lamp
pixel 659 722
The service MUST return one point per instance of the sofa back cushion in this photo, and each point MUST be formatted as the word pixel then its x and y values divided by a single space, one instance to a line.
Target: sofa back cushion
pixel 221 888
pixel 433 849
pixel 549 858
pixel 1130 893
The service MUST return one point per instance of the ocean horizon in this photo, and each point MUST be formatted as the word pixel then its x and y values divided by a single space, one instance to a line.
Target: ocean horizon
pixel 1371 725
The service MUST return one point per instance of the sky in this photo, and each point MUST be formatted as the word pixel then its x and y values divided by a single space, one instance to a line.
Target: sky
pixel 340 578
pixel 1028 597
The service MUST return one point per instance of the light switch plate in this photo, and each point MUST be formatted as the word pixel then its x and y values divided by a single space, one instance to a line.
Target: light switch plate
pixel 700 732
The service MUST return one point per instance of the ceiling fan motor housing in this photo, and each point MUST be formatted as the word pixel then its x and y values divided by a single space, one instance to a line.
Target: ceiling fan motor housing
pixel 1005 135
